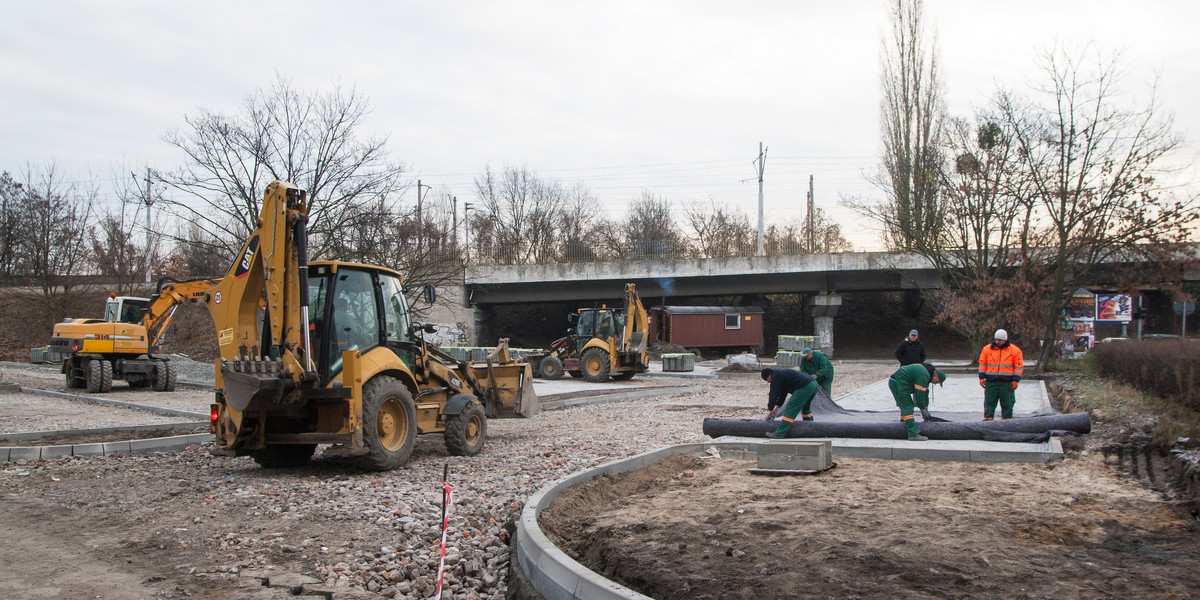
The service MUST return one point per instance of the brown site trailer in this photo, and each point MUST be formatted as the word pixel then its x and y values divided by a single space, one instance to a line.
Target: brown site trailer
pixel 710 329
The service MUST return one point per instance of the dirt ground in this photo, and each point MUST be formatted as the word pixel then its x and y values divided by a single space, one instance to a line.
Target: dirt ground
pixel 191 525
pixel 693 527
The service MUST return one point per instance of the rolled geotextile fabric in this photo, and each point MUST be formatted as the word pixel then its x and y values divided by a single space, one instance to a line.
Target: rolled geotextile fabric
pixel 1026 429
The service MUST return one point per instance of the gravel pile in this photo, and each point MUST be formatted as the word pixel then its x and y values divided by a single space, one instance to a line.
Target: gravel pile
pixel 214 520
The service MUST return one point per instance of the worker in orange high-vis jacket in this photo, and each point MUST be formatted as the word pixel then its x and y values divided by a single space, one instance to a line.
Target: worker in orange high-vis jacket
pixel 1001 365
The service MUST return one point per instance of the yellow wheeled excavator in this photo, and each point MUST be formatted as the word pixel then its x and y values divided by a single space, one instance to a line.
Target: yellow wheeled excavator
pixel 328 353
pixel 126 343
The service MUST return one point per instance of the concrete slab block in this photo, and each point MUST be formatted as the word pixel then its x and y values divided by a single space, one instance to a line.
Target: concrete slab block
pixel 24 453
pixel 3 454
pixel 592 585
pixel 96 449
pixel 164 444
pixel 917 451
pixel 116 448
pixel 795 455
pixel 56 451
pixel 883 452
pixel 558 572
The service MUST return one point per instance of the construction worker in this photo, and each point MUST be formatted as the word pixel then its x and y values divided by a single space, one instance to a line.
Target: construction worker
pixel 910 387
pixel 815 363
pixel 911 350
pixel 1001 365
pixel 784 382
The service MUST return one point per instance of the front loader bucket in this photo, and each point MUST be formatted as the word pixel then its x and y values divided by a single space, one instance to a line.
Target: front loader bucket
pixel 511 388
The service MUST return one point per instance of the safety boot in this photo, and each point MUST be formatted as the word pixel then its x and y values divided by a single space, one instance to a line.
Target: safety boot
pixel 916 437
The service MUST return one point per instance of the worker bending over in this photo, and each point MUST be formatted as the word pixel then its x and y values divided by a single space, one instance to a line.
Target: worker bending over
pixel 910 387
pixel 783 382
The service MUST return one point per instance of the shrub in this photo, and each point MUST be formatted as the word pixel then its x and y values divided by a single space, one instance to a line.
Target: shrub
pixel 1168 369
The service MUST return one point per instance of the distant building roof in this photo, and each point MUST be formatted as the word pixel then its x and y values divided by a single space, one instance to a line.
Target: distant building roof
pixel 710 310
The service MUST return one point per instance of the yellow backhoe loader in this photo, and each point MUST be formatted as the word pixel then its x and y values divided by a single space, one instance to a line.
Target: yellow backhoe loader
pixel 327 353
pixel 604 343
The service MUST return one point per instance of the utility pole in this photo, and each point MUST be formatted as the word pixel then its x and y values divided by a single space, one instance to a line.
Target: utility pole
pixel 148 200
pixel 420 221
pixel 454 217
pixel 812 221
pixel 467 233
pixel 760 165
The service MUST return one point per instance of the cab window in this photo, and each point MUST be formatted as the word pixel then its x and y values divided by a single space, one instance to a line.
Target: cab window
pixel 355 318
pixel 395 309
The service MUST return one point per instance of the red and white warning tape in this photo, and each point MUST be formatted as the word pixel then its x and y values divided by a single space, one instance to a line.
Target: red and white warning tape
pixel 447 502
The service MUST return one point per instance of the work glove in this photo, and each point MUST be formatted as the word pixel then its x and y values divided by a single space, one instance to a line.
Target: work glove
pixel 924 414
pixel 982 383
pixel 1014 385
pixel 771 414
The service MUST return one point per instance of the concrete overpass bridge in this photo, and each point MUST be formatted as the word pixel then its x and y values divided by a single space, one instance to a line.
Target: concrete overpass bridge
pixel 684 278
pixel 824 276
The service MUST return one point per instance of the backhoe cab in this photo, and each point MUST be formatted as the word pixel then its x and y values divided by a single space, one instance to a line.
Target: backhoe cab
pixel 605 343
pixel 331 356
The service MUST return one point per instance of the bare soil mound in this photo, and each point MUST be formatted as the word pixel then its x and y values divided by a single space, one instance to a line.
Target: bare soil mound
pixel 707 528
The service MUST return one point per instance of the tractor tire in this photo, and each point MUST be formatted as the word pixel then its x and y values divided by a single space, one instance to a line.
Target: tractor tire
pixel 550 368
pixel 172 376
pixel 466 431
pixel 282 456
pixel 99 376
pixel 73 382
pixel 389 424
pixel 594 365
pixel 160 375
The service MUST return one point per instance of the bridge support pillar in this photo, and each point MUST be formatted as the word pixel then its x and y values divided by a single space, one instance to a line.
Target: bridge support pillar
pixel 824 307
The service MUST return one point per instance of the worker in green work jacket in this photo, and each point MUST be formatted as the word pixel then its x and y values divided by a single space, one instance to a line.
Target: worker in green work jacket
pixel 910 387
pixel 815 363
pixel 794 388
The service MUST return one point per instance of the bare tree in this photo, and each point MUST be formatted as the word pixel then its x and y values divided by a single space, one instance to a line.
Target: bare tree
pixel 11 194
pixel 826 235
pixel 579 225
pixel 517 217
pixel 52 249
pixel 310 139
pixel 650 230
pixel 202 254
pixel 719 231
pixel 121 248
pixel 1098 183
pixel 911 117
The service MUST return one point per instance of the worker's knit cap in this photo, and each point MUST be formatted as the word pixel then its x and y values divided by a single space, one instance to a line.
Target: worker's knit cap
pixel 766 373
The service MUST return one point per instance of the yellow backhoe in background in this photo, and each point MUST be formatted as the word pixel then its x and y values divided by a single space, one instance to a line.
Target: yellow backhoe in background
pixel 327 353
pixel 605 343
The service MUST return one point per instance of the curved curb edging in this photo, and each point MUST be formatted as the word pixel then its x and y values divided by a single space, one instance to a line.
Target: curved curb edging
pixel 557 576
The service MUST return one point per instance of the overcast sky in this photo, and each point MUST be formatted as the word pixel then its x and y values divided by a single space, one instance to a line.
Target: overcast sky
pixel 671 97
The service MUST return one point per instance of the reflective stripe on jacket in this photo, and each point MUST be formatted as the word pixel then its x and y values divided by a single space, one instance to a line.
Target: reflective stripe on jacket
pixel 915 380
pixel 1001 363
